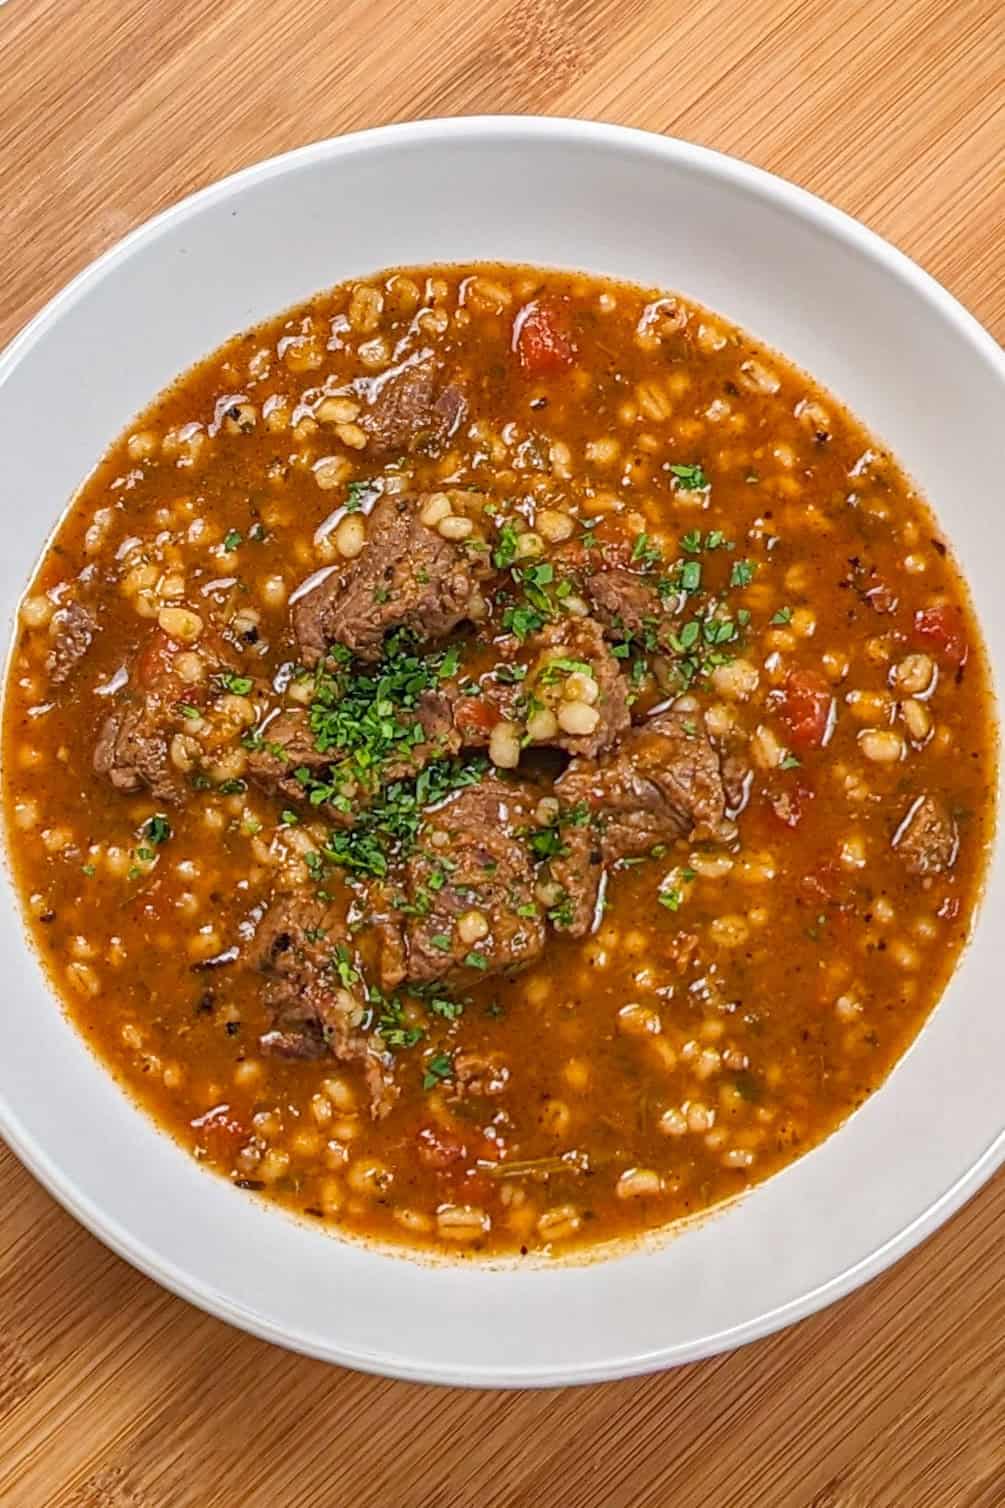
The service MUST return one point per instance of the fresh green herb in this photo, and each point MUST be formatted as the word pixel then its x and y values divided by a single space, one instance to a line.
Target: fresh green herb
pixel 392 1024
pixel 342 964
pixel 562 666
pixel 232 787
pixel 476 960
pixel 134 873
pixel 437 1068
pixel 187 710
pixel 742 573
pixel 790 762
pixel 390 824
pixel 240 685
pixel 89 870
pixel 689 575
pixel 645 552
pixel 146 854
pixel 671 899
pixel 504 553
pixel 232 539
pixel 691 541
pixel 157 830
pixel 562 914
pixel 288 818
pixel 689 478
pixel 441 940
pixel 356 494
pixel 783 615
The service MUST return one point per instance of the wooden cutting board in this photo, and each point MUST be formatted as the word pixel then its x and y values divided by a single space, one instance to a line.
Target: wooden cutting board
pixel 114 1394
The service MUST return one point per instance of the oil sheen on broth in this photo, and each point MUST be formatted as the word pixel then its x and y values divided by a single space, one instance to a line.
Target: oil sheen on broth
pixel 498 760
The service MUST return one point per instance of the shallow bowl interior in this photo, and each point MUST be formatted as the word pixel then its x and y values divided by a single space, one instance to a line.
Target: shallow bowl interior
pixel 859 317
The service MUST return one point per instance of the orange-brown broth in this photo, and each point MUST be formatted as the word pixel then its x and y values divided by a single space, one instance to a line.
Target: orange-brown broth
pixel 772 1001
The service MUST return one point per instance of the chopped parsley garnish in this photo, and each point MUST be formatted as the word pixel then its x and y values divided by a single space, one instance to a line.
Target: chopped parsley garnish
pixel 437 1068
pixel 368 719
pixel 392 1024
pixel 790 762
pixel 504 553
pixel 563 666
pixel 232 539
pixel 671 899
pixel 742 573
pixel 783 615
pixel 645 552
pixel 342 964
pixel 157 830
pixel 232 787
pixel 441 940
pixel 390 825
pixel 690 478
pixel 187 710
pixel 356 493
pixel 476 960
pixel 240 685
pixel 288 818
pixel 89 870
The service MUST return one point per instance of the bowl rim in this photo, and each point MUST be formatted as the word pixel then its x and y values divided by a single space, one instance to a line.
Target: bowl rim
pixel 741 175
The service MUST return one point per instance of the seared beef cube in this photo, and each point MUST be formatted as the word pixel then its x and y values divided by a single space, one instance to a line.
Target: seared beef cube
pixel 411 409
pixel 132 750
pixel 73 630
pixel 577 870
pixel 287 745
pixel 626 605
pixel 662 783
pixel 134 743
pixel 927 838
pixel 472 909
pixel 313 1016
pixel 407 576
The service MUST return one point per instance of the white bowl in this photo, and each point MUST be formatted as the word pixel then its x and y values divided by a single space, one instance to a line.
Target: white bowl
pixel 823 290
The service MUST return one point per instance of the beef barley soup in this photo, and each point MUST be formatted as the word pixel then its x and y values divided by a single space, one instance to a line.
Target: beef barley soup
pixel 497 760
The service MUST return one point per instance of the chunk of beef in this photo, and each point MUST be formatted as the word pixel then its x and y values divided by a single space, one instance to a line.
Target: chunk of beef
pixel 927 838
pixel 287 745
pixel 73 630
pixel 571 646
pixel 663 782
pixel 472 858
pixel 410 408
pixel 313 1016
pixel 134 742
pixel 626 605
pixel 132 750
pixel 407 576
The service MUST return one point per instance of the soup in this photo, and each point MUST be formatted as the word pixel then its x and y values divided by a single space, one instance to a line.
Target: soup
pixel 497 760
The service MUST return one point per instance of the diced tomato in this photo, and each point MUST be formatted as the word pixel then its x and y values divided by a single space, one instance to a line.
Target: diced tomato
pixel 156 658
pixel 475 716
pixel 220 1132
pixel 439 1149
pixel 807 708
pixel 942 630
pixel 541 338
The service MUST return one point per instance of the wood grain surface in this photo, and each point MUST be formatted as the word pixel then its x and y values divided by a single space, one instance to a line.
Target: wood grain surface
pixel 114 1394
